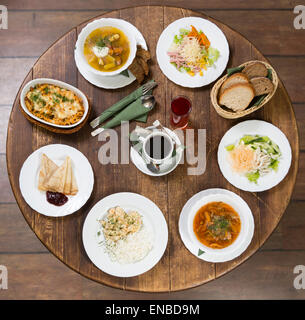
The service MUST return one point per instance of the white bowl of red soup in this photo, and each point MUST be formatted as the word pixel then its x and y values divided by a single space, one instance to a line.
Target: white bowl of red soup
pixel 218 224
pixel 106 47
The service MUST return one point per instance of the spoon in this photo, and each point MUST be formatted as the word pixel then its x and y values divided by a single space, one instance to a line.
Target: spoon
pixel 148 101
pixel 154 168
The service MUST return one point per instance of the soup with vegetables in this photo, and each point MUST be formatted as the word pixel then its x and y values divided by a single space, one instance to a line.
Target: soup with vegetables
pixel 216 225
pixel 106 49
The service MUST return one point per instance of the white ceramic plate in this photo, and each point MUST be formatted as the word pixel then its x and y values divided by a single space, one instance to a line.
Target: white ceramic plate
pixel 138 161
pixel 152 218
pixel 217 39
pixel 58 83
pixel 111 82
pixel 106 22
pixel 216 255
pixel 253 127
pixel 36 199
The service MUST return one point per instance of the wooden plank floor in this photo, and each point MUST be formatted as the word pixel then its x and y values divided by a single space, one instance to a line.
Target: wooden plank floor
pixel 33 272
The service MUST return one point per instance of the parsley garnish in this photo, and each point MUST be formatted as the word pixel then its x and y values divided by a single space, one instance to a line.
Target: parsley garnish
pixel 46 90
pixel 35 97
pixel 100 43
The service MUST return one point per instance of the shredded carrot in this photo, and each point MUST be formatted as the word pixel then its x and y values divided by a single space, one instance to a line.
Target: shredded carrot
pixel 193 33
pixel 202 38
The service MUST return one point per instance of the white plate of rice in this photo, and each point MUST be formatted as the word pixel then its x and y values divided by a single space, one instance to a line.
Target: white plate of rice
pixel 261 128
pixel 138 252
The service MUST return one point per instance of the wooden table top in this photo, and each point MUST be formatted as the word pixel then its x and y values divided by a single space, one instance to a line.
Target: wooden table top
pixel 178 269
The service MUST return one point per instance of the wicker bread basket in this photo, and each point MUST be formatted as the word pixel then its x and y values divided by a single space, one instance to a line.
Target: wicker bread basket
pixel 230 114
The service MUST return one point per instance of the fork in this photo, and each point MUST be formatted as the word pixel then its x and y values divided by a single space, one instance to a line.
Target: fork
pixel 125 101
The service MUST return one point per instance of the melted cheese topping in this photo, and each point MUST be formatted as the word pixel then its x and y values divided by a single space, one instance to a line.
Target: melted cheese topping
pixel 54 104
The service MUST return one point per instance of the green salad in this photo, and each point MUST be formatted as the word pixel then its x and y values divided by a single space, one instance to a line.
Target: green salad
pixel 254 156
pixel 191 52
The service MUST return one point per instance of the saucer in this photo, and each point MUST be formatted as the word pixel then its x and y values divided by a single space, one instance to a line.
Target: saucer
pixel 111 82
pixel 164 168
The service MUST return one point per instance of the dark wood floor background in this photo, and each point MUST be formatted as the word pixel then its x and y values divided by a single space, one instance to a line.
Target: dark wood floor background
pixel 34 273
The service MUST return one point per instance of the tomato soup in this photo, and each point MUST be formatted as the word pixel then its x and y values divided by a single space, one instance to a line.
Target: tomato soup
pixel 216 225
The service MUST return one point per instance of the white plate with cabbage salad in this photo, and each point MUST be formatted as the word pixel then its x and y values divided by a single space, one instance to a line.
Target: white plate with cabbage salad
pixel 192 52
pixel 254 155
pixel 125 234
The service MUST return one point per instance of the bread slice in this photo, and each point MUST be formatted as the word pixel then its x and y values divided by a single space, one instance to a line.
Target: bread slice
pixel 237 97
pixel 233 79
pixel 262 85
pixel 47 167
pixel 256 69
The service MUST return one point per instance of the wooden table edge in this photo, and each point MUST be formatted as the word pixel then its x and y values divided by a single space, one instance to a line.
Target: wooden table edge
pixel 19 197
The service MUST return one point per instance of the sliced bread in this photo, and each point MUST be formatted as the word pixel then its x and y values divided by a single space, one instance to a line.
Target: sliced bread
pixel 256 69
pixel 233 79
pixel 262 85
pixel 237 97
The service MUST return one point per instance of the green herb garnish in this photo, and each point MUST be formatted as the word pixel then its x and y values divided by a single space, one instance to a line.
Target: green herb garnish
pixel 220 225
pixel 100 43
pixel 65 99
pixel 58 95
pixel 46 90
pixel 35 97
pixel 200 252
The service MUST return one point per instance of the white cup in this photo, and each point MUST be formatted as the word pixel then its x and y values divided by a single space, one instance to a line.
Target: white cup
pixel 145 141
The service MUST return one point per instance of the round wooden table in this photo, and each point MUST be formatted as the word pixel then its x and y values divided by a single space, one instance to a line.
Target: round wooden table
pixel 178 269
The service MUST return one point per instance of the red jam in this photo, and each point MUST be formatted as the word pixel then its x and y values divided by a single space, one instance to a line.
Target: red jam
pixel 56 198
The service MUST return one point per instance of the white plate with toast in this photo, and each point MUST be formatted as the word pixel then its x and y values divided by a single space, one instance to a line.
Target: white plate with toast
pixel 57 153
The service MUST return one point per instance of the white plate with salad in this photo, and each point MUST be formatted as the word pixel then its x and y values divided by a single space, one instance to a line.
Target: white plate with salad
pixel 254 155
pixel 192 52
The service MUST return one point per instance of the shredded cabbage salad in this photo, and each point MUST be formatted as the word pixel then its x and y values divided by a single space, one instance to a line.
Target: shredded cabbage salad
pixel 254 156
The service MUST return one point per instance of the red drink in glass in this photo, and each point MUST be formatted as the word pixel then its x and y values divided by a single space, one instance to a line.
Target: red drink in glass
pixel 180 111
